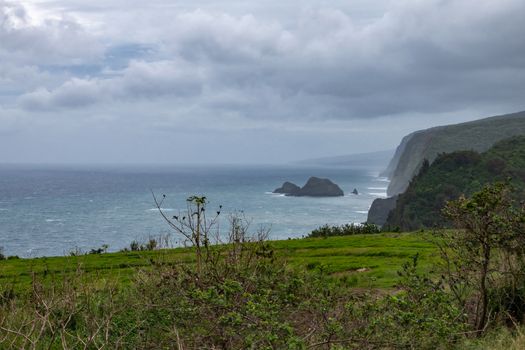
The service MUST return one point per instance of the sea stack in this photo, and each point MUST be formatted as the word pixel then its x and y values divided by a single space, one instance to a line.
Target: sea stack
pixel 314 187
pixel 355 191
pixel 317 187
pixel 288 189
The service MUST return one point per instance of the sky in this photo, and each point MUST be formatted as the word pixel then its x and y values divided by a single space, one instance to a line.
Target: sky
pixel 236 81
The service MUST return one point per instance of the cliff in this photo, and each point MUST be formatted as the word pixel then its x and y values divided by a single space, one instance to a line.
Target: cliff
pixel 454 174
pixel 478 135
pixel 391 168
pixel 381 207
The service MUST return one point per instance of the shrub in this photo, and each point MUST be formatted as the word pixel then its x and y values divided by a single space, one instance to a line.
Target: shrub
pixel 344 230
pixel 485 257
pixel 422 315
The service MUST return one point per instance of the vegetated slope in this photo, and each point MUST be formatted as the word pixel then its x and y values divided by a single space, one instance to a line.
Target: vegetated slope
pixel 453 174
pixel 477 135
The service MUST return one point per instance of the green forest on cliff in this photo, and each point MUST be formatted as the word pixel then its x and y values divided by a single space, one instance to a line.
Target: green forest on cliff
pixel 454 174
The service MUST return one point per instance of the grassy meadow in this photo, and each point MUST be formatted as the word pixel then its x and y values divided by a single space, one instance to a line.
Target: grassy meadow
pixel 370 260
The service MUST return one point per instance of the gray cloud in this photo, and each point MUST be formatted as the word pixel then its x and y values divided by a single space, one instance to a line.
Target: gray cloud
pixel 139 80
pixel 235 66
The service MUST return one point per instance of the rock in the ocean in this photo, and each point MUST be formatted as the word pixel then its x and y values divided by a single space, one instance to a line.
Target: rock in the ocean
pixel 316 187
pixel 380 209
pixel 288 188
pixel 355 191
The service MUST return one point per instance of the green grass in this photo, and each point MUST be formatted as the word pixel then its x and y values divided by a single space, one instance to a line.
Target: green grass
pixel 378 257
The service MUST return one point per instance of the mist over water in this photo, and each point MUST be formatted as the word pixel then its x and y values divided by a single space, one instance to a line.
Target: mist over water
pixel 53 210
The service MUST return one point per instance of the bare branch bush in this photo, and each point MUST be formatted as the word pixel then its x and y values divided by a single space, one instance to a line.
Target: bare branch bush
pixel 68 312
pixel 193 224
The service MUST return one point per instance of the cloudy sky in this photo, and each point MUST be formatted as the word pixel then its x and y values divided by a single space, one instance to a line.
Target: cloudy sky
pixel 238 81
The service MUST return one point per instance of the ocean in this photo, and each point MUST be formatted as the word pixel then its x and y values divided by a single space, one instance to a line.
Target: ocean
pixel 53 210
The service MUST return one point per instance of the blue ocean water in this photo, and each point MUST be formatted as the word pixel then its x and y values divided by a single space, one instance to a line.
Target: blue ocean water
pixel 51 210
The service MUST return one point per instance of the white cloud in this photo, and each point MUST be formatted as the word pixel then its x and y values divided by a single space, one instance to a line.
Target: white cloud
pixel 58 41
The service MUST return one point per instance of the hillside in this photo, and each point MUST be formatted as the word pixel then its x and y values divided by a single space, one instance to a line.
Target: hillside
pixel 477 136
pixel 451 175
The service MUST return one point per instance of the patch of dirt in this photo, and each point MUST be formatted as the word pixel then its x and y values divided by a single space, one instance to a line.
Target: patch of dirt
pixel 363 269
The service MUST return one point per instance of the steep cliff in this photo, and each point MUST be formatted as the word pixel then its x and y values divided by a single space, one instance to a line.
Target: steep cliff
pixel 380 209
pixel 454 174
pixel 477 136
pixel 391 168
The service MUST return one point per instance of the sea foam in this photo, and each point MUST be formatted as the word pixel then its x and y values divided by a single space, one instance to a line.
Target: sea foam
pixel 378 194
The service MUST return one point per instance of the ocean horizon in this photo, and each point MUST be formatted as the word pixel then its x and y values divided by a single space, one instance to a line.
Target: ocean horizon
pixel 49 210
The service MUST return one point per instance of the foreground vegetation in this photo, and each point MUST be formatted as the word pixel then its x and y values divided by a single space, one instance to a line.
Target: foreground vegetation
pixel 247 295
pixel 462 288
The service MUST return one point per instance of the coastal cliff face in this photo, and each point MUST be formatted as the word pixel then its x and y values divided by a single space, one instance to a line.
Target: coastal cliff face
pixel 390 169
pixel 381 207
pixel 477 136
pixel 455 174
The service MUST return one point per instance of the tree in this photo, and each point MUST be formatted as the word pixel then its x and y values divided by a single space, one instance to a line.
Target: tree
pixel 192 224
pixel 486 251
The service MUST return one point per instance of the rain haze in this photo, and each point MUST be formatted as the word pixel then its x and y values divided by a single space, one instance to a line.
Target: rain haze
pixel 119 81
